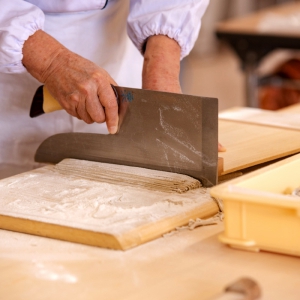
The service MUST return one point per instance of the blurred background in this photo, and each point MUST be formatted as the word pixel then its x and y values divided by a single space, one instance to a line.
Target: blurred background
pixel 212 69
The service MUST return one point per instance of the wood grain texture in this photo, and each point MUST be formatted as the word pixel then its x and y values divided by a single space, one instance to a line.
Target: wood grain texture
pixel 83 208
pixel 251 144
pixel 289 119
pixel 191 264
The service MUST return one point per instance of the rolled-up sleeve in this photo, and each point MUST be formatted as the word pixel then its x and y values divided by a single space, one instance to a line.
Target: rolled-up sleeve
pixel 18 20
pixel 178 19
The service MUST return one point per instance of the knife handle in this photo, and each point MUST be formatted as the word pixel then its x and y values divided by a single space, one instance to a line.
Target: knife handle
pixel 43 102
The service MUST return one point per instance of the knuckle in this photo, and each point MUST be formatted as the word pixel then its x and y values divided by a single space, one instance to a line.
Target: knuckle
pixel 74 97
pixel 85 87
pixel 72 100
pixel 99 74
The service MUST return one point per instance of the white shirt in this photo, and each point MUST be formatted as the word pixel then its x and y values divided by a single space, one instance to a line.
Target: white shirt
pixel 178 19
pixel 97 34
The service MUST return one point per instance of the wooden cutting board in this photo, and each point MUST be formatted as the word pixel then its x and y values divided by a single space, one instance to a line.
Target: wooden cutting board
pixel 254 136
pixel 97 204
pixel 289 119
pixel 103 205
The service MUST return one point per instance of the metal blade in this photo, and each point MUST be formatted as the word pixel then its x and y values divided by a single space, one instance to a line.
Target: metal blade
pixel 157 130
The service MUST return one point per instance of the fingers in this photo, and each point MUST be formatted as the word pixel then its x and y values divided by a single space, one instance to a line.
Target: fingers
pixel 76 106
pixel 84 90
pixel 95 109
pixel 95 106
pixel 221 148
pixel 100 105
pixel 108 100
pixel 95 103
pixel 83 113
pixel 98 102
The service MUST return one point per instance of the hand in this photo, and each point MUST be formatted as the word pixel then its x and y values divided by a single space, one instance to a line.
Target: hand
pixel 81 87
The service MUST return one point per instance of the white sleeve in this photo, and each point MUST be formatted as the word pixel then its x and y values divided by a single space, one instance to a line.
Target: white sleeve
pixel 178 19
pixel 18 20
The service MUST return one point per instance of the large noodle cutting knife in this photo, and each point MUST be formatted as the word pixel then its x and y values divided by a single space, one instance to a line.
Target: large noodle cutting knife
pixel 157 130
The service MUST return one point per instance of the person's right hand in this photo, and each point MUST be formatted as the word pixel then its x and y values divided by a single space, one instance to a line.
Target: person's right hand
pixel 81 87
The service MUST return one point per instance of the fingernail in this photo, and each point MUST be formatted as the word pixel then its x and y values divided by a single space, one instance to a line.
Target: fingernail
pixel 113 129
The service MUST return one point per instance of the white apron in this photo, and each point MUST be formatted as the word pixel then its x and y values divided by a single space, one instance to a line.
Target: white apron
pixel 98 35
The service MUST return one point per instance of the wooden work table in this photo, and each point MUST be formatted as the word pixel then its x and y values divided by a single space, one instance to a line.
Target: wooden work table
pixel 186 265
pixel 189 264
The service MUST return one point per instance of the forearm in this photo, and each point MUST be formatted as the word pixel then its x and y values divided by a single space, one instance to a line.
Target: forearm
pixel 162 64
pixel 39 52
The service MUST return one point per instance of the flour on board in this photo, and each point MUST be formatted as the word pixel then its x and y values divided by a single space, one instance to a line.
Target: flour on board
pixel 81 199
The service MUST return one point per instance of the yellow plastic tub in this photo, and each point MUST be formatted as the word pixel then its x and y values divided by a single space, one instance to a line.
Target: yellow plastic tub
pixel 262 208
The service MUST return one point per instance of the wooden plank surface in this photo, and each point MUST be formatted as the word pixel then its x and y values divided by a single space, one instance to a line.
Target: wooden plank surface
pixel 103 205
pixel 252 144
pixel 289 118
pixel 69 204
pixel 188 265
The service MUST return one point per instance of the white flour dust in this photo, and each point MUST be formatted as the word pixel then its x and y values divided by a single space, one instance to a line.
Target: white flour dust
pixel 47 195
